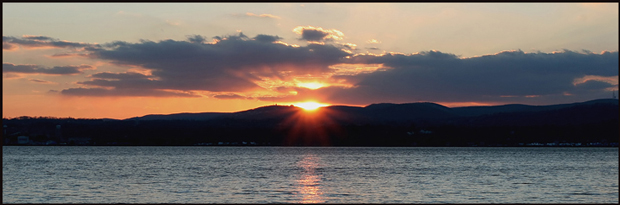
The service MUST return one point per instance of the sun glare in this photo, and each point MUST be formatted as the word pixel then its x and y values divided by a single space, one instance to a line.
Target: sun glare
pixel 311 85
pixel 309 105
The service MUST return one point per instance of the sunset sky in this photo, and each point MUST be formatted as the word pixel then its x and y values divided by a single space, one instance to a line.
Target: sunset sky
pixel 121 60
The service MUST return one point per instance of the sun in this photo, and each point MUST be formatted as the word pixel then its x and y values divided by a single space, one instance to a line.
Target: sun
pixel 310 105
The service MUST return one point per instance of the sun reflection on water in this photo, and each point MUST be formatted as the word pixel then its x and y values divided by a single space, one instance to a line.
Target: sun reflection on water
pixel 310 182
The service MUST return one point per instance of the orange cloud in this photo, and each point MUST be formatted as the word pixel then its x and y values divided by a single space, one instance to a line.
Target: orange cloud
pixel 356 69
pixel 611 79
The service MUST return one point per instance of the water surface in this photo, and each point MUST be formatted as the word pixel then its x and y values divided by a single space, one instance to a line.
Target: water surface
pixel 309 175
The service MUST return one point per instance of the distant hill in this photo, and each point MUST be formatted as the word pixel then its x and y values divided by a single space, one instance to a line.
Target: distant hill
pixel 412 112
pixel 591 123
pixel 181 116
pixel 403 113
pixel 510 108
pixel 589 112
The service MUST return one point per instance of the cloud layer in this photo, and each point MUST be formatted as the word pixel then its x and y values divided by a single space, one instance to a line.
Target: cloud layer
pixel 127 92
pixel 264 68
pixel 442 77
pixel 233 64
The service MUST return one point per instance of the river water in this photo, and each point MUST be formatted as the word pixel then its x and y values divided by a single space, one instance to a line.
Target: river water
pixel 309 175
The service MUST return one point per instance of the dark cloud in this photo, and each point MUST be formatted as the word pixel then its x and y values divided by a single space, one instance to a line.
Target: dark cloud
pixel 317 34
pixel 233 64
pixel 9 42
pixel 100 92
pixel 313 35
pixel 60 55
pixel 120 76
pixel 36 69
pixel 40 38
pixel 196 39
pixel 442 77
pixel 128 80
pixel 266 38
pixel 239 37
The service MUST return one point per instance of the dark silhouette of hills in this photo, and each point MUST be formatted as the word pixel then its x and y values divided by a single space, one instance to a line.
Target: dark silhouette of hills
pixel 384 124
pixel 564 114
pixel 383 111
pixel 425 111
pixel 181 116
pixel 409 111
pixel 485 110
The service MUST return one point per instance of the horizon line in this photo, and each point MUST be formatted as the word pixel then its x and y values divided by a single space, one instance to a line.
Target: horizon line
pixel 287 105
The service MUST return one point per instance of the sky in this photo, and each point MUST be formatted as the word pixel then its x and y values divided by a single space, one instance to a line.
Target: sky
pixel 122 60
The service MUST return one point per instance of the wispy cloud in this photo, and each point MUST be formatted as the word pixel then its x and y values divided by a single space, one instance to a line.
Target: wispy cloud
pixel 351 46
pixel 262 15
pixel 28 41
pixel 229 96
pixel 36 69
pixel 373 41
pixel 68 55
pixel 42 81
pixel 131 92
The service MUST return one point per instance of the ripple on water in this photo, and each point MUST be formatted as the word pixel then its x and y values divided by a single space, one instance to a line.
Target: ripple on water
pixel 294 175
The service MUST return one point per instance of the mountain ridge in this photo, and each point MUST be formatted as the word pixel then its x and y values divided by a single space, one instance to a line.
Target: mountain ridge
pixel 409 124
pixel 379 111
